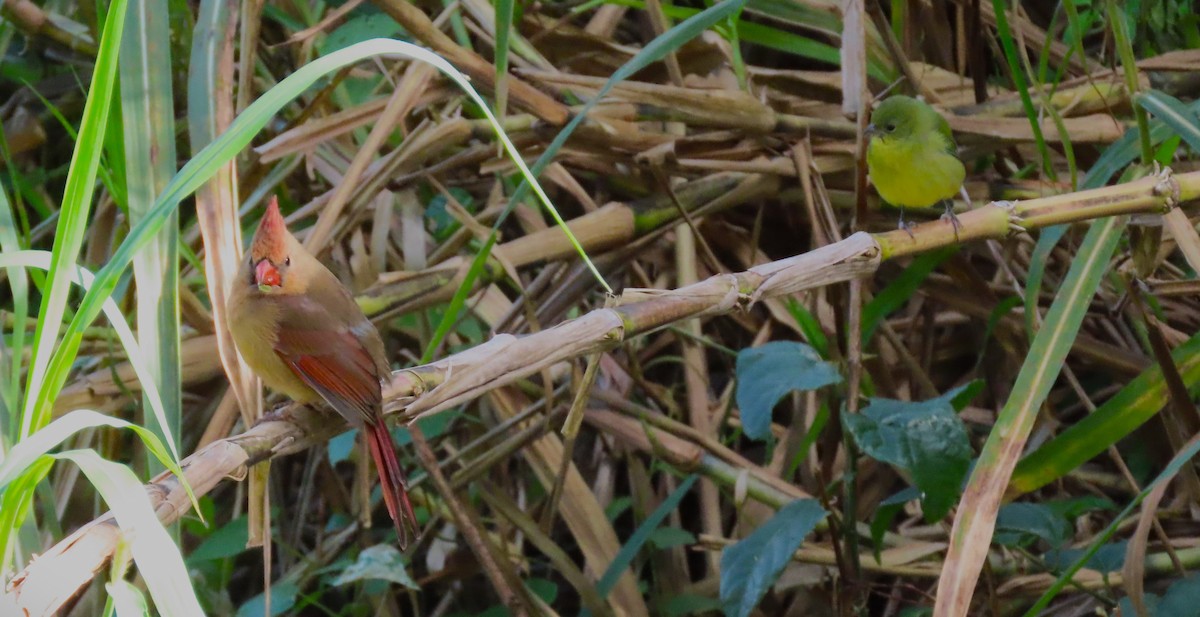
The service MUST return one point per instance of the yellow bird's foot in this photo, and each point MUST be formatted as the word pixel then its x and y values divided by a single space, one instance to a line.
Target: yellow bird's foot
pixel 950 216
pixel 904 225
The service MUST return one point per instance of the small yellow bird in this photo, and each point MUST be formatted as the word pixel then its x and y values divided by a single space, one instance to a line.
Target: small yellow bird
pixel 912 158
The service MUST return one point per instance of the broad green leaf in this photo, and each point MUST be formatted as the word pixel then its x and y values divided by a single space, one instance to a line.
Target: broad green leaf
pixel 1182 599
pixel 544 589
pixel 1108 558
pixel 690 604
pixel 670 537
pixel 358 29
pixel 768 373
pixel 751 567
pixel 382 562
pixel 226 541
pixel 283 598
pixel 926 439
pixel 1022 524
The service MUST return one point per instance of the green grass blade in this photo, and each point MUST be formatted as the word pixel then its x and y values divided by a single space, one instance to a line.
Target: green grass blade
pixel 973 524
pixel 652 52
pixel 1100 540
pixel 68 238
pixel 157 558
pixel 10 376
pixel 1117 418
pixel 629 550
pixel 25 454
pixel 137 358
pixel 26 465
pixel 209 160
pixel 504 21
pixel 1124 46
pixel 148 119
pixel 1182 119
pixel 1009 46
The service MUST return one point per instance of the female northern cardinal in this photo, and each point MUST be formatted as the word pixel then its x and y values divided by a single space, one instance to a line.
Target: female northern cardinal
pixel 303 333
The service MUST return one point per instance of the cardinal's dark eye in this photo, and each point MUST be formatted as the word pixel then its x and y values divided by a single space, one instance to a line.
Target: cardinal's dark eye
pixel 287 261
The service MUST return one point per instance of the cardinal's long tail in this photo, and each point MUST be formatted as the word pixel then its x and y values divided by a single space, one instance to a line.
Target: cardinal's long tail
pixel 391 481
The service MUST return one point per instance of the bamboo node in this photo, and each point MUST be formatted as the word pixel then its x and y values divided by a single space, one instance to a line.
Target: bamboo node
pixel 1168 187
pixel 1015 226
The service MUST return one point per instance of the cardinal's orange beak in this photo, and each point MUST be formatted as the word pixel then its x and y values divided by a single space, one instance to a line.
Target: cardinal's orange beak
pixel 266 274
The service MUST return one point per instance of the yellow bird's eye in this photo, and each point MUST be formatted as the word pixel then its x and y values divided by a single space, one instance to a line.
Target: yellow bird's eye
pixel 287 261
pixel 890 127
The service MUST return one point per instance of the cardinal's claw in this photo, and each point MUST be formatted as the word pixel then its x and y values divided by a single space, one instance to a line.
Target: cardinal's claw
pixel 276 414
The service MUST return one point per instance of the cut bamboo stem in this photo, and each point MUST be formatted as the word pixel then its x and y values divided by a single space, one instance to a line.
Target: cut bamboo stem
pixel 51 580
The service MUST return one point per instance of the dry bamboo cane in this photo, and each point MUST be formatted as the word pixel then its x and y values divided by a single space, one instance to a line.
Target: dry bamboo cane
pixel 57 575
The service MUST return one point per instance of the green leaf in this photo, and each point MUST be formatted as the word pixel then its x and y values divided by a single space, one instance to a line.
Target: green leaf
pixel 157 558
pixel 809 325
pixel 640 537
pixel 1118 417
pixel 10 383
pixel 48 365
pixel 670 537
pixel 1174 113
pixel 1022 524
pixel 690 604
pixel 1108 558
pixel 1182 599
pixel 1009 47
pixel 358 29
pixel 1047 239
pixel 926 439
pixel 227 541
pixel 544 589
pixel 148 129
pixel 766 374
pixel 751 567
pixel 382 562
pixel 654 51
pixel 283 598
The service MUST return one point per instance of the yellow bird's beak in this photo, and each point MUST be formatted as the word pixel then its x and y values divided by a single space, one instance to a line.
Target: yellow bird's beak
pixel 871 130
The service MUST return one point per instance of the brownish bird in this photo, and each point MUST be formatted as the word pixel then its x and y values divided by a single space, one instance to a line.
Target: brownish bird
pixel 300 330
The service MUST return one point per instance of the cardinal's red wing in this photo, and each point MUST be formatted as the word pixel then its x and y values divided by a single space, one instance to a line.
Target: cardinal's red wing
pixel 331 360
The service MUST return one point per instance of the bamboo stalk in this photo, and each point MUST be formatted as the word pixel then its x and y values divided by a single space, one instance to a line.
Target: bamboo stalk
pixel 464 376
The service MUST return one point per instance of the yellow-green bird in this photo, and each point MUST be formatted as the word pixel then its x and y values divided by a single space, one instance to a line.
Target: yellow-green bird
pixel 912 158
